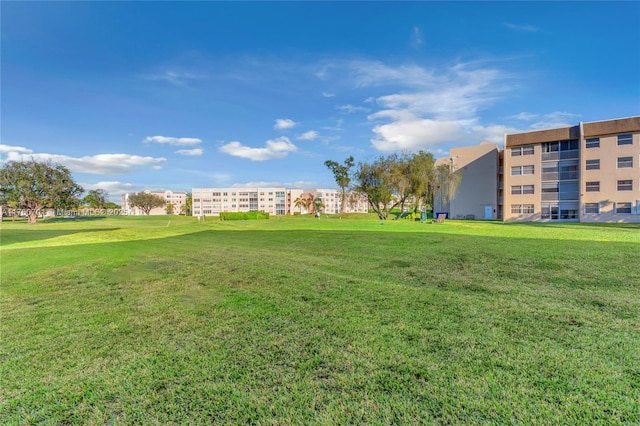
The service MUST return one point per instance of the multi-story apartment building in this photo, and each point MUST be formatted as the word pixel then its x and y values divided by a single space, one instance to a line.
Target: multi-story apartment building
pixel 589 173
pixel 476 197
pixel 213 201
pixel 177 199
pixel 332 201
pixel 275 201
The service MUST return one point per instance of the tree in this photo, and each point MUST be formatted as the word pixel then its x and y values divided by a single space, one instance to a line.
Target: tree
pixel 400 168
pixel 309 201
pixel 169 208
pixel 397 179
pixel 376 181
pixel 341 173
pixel 421 175
pixel 110 205
pixel 300 202
pixel 186 208
pixel 96 198
pixel 446 181
pixel 35 186
pixel 146 201
pixel 318 205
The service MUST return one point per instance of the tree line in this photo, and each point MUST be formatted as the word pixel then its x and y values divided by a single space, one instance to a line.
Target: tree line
pixel 32 187
pixel 396 181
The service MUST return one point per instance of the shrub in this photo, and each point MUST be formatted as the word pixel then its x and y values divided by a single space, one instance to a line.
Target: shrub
pixel 255 215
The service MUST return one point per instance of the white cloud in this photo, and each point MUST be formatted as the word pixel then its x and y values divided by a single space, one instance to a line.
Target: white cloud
pixel 350 109
pixel 112 187
pixel 517 27
pixel 284 123
pixel 172 141
pixel 525 116
pixel 300 184
pixel 276 148
pixel 409 133
pixel 375 73
pixel 554 120
pixel 328 95
pixel 416 37
pixel 177 78
pixel 190 152
pixel 432 106
pixel 308 136
pixel 101 164
pixel 15 149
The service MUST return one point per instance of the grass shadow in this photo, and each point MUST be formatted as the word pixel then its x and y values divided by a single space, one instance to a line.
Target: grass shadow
pixel 29 233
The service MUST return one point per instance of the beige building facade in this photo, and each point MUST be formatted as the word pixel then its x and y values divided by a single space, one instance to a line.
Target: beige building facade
pixel 213 201
pixel 275 201
pixel 476 197
pixel 588 173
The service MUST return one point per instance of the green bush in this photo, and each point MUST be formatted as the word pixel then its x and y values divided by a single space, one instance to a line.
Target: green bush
pixel 244 215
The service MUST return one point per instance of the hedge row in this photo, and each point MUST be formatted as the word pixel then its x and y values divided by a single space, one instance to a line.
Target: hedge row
pixel 243 215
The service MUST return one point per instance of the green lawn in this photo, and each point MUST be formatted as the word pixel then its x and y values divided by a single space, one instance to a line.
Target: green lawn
pixel 332 321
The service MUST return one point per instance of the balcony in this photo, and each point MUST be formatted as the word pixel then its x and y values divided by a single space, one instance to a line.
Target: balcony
pixel 560 175
pixel 560 155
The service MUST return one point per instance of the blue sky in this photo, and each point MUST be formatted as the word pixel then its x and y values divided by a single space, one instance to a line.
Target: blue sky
pixel 177 95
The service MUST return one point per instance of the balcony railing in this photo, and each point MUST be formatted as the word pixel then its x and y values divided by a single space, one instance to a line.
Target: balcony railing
pixel 560 155
pixel 560 175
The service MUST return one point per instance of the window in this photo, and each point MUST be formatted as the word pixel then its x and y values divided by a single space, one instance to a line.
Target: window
pixel 625 139
pixel 592 208
pixel 593 143
pixel 527 170
pixel 623 208
pixel 522 189
pixel 625 185
pixel 516 171
pixel 624 162
pixel 516 208
pixel 593 164
pixel 527 208
pixel 593 186
pixel 522 150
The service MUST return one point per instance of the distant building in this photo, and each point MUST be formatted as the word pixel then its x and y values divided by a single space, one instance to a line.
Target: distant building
pixel 275 201
pixel 177 199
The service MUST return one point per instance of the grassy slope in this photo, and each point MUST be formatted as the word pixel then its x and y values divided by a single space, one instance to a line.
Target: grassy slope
pixel 300 320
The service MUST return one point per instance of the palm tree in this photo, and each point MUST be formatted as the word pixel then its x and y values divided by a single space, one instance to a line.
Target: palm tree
pixel 300 202
pixel 318 205
pixel 309 201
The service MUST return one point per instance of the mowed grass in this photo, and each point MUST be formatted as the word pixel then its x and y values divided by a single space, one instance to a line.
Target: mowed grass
pixel 331 321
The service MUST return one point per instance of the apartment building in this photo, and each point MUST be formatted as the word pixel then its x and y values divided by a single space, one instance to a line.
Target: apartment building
pixel 213 201
pixel 476 197
pixel 275 201
pixel 588 173
pixel 177 199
